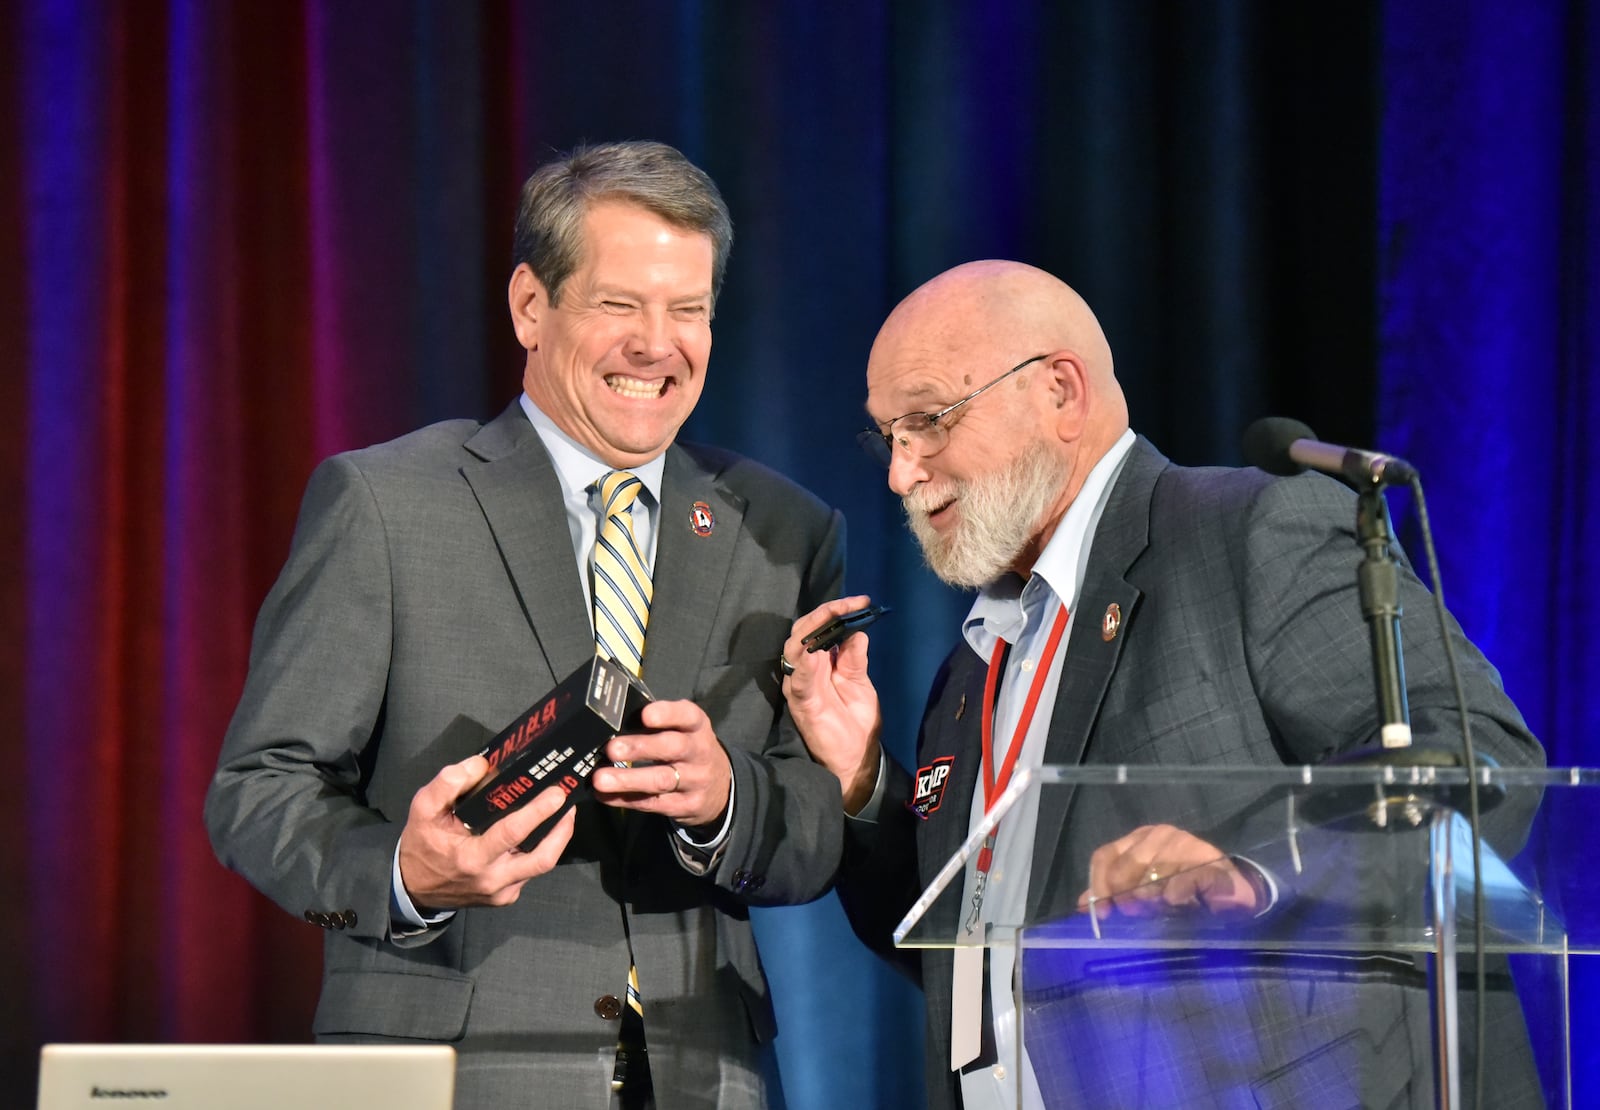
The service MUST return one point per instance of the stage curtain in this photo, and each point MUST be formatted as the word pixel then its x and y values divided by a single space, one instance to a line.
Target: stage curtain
pixel 1489 322
pixel 244 236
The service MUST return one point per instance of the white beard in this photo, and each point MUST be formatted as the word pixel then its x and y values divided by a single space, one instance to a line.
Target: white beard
pixel 1000 513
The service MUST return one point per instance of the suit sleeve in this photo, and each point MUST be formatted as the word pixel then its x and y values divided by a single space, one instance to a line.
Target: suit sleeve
pixel 878 879
pixel 285 808
pixel 1310 655
pixel 784 842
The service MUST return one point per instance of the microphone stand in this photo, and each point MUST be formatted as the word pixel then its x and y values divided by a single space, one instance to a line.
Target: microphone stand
pixel 1379 584
pixel 1288 447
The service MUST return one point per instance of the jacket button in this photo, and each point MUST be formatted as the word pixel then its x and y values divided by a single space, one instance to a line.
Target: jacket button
pixel 608 1006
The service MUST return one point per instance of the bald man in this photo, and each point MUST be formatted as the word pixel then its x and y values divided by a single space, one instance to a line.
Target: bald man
pixel 1154 614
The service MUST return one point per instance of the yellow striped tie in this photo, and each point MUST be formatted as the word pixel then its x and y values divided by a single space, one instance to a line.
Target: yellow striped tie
pixel 621 612
pixel 635 1000
pixel 621 580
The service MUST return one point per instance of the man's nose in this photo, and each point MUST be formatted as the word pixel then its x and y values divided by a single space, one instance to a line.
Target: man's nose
pixel 652 336
pixel 906 471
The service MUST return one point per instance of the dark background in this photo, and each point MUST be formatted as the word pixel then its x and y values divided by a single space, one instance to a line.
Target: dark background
pixel 242 236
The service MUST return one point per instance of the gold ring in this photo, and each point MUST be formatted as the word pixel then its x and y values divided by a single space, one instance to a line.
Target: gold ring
pixel 784 665
pixel 1152 876
pixel 677 779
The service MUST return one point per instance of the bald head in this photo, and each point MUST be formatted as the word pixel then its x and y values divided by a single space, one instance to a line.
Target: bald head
pixel 981 317
pixel 1007 463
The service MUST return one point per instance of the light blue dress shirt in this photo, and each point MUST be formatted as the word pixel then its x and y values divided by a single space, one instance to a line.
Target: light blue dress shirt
pixel 1021 614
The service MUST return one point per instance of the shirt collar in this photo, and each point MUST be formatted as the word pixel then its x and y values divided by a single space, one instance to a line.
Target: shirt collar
pixel 1005 609
pixel 577 466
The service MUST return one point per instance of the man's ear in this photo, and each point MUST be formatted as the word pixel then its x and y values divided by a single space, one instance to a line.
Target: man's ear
pixel 527 300
pixel 1068 387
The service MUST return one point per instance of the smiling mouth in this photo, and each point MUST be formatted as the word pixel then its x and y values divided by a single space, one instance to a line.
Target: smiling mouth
pixel 939 511
pixel 638 389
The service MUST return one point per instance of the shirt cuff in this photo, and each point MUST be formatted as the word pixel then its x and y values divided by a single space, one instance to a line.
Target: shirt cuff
pixel 404 918
pixel 1268 881
pixel 868 813
pixel 709 847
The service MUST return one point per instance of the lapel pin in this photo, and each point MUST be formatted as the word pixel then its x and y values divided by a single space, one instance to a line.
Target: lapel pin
pixel 701 522
pixel 1111 622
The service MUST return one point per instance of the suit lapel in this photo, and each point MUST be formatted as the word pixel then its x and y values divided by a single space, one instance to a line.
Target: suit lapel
pixel 517 488
pixel 1121 537
pixel 691 570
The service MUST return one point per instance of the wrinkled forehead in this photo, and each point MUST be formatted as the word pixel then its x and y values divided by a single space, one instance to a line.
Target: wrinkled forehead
pixel 893 392
pixel 913 371
pixel 926 380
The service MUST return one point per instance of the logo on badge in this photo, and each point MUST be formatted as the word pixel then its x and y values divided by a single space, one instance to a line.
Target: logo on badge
pixel 930 785
pixel 700 518
pixel 1111 622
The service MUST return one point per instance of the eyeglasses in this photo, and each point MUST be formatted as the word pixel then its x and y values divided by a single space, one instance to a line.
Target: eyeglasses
pixel 921 434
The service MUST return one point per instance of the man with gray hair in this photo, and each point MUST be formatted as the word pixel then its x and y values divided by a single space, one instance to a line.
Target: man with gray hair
pixel 441 583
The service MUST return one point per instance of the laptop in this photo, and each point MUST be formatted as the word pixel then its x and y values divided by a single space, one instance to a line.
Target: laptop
pixel 246 1077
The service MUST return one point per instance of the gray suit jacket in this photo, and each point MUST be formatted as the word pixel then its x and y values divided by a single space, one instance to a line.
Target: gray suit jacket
pixel 431 594
pixel 1242 643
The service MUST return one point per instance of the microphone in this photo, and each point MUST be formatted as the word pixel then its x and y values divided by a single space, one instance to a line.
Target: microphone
pixel 1286 447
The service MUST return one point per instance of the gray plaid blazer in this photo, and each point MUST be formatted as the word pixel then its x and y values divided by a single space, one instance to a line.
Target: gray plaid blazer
pixel 1242 643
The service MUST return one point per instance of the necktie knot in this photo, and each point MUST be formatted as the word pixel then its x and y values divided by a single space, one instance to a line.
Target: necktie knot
pixel 619 489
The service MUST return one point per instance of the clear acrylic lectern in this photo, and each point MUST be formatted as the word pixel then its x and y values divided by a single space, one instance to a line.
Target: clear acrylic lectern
pixel 1363 967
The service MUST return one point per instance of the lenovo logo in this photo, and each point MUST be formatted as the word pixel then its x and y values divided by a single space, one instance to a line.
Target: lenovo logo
pixel 127 1092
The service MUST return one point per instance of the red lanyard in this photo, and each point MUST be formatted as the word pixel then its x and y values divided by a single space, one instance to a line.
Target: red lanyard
pixel 995 785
